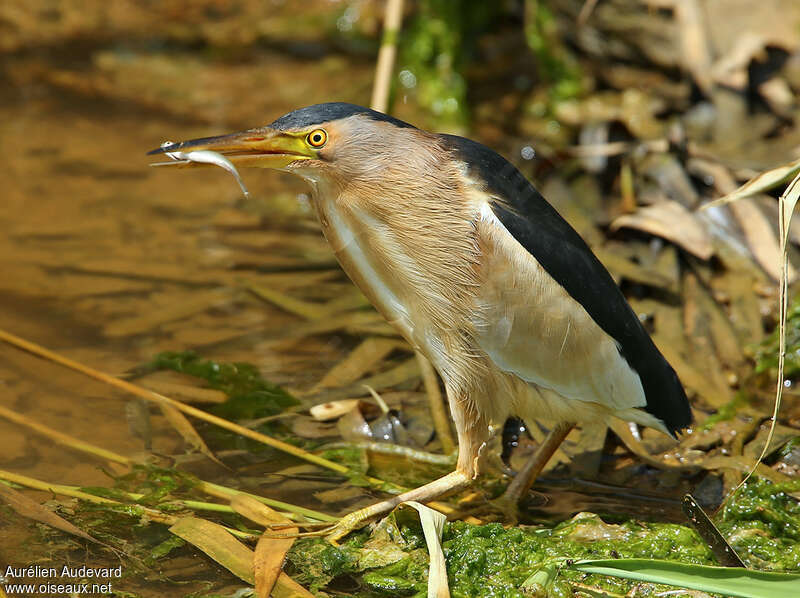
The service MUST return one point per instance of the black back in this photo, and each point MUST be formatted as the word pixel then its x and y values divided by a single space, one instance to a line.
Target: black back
pixel 538 227
pixel 320 113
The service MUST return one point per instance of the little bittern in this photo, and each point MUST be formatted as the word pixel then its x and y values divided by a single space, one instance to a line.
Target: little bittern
pixel 464 257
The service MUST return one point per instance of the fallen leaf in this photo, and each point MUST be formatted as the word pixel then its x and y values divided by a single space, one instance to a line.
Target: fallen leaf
pixel 31 509
pixel 760 237
pixel 695 48
pixel 763 182
pixel 670 220
pixel 358 362
pixel 215 541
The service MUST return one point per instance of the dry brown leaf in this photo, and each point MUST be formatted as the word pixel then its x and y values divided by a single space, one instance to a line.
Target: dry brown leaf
pixel 31 509
pixel 269 557
pixel 286 587
pixel 404 371
pixel 763 182
pixel 256 511
pixel 731 69
pixel 743 305
pixel 182 425
pixel 215 541
pixel 432 526
pixel 621 266
pixel 778 95
pixel 726 343
pixel 670 220
pixel 177 308
pixel 697 330
pixel 780 436
pixel 298 307
pixel 743 464
pixel 270 550
pixel 760 237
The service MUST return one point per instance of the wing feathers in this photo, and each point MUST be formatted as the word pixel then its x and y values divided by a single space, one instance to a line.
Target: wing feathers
pixel 554 244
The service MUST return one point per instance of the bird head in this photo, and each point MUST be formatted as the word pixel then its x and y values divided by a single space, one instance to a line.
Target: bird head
pixel 333 143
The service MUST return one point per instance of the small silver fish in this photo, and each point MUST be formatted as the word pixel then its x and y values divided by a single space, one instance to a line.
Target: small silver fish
pixel 208 157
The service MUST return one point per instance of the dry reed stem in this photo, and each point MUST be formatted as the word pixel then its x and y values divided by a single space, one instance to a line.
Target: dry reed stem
pixel 62 438
pixel 64 490
pixel 441 421
pixel 392 19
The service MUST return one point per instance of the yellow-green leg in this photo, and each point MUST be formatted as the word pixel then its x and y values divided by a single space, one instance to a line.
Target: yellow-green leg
pixel 473 432
pixel 522 482
pixel 453 481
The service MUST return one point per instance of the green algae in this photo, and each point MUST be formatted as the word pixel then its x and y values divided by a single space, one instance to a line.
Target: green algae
pixel 491 561
pixel 249 395
pixel 762 521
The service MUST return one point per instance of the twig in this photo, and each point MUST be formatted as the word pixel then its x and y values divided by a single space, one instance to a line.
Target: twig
pixel 154 397
pixel 383 71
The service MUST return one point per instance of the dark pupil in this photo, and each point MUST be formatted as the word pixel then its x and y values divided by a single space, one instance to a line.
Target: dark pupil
pixel 317 138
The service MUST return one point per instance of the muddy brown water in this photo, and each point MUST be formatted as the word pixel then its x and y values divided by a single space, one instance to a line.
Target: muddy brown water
pixel 109 261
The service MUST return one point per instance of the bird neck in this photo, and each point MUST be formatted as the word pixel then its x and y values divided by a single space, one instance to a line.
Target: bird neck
pixel 415 257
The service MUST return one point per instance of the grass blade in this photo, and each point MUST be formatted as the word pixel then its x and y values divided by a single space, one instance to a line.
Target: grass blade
pixel 728 581
pixel 432 526
pixel 763 182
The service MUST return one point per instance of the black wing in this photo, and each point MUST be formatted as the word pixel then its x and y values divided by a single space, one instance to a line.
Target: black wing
pixel 538 227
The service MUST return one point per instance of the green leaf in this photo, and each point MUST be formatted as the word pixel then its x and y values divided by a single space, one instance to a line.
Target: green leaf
pixel 728 581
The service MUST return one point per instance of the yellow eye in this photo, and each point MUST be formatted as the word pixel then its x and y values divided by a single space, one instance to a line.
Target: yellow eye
pixel 317 138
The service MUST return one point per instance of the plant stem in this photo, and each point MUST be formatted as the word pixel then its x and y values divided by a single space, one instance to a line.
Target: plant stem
pixel 392 20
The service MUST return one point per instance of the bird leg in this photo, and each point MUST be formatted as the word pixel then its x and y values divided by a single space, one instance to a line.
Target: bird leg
pixel 522 482
pixel 472 435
